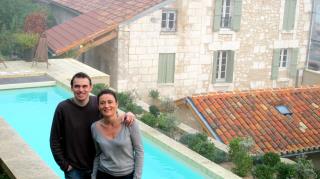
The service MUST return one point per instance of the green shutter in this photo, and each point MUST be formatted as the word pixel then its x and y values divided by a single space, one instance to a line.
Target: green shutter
pixel 236 16
pixel 217 15
pixel 214 66
pixel 289 14
pixel 230 62
pixel 275 64
pixel 293 62
pixel 170 68
pixel 162 68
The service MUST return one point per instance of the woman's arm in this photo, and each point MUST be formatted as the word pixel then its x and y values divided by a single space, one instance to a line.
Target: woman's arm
pixel 138 149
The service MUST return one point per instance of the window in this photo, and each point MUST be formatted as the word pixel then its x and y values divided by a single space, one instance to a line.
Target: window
pixel 284 58
pixel 283 109
pixel 223 66
pixel 166 68
pixel 283 61
pixel 289 15
pixel 168 22
pixel 227 14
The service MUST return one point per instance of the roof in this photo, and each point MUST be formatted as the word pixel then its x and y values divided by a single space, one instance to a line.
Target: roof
pixel 253 114
pixel 98 17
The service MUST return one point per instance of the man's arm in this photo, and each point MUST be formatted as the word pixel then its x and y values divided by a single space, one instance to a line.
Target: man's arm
pixel 56 141
pixel 127 118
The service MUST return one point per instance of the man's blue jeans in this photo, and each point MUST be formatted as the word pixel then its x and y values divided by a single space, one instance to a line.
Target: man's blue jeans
pixel 78 174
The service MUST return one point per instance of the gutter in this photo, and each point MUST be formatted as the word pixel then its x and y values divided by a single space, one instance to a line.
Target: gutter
pixel 302 153
pixel 203 119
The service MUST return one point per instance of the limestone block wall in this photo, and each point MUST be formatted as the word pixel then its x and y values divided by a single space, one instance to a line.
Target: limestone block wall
pixel 140 41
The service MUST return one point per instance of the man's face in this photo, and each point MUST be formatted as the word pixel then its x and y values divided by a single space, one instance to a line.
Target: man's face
pixel 81 89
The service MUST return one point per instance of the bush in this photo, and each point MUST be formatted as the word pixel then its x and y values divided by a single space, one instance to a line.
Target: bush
pixel 154 110
pixel 98 87
pixel 263 172
pixel 154 94
pixel 167 123
pixel 124 98
pixel 26 40
pixel 285 171
pixel 239 154
pixel 149 119
pixel 192 139
pixel 134 108
pixel 305 169
pixel 167 105
pixel 271 159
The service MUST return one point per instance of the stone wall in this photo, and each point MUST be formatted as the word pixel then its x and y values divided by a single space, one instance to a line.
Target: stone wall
pixel 141 41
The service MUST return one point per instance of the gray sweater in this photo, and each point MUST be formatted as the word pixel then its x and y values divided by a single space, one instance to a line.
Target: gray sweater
pixel 119 156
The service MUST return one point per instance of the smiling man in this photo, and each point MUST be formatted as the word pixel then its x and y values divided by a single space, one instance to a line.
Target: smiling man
pixel 70 139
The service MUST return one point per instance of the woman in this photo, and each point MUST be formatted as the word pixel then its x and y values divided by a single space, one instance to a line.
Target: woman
pixel 119 147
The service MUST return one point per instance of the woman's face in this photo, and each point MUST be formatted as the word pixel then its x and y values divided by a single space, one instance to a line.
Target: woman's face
pixel 108 105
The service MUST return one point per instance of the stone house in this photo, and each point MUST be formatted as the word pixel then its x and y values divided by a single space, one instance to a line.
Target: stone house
pixel 181 47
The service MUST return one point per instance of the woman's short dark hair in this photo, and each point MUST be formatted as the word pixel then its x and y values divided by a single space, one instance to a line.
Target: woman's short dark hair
pixel 107 91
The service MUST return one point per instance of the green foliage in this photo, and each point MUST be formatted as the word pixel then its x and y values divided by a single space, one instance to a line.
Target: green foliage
pixel 154 110
pixel 285 171
pixel 69 54
pixel 239 154
pixel 126 103
pixel 264 172
pixel 167 123
pixel 3 175
pixel 154 94
pixel 149 119
pixel 98 87
pixel 271 159
pixel 134 108
pixel 167 105
pixel 26 40
pixel 305 169
pixel 199 143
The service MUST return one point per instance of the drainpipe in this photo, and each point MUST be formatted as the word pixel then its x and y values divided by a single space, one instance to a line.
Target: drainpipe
pixel 203 120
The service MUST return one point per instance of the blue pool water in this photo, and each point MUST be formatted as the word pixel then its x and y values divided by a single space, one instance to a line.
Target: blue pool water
pixel 29 112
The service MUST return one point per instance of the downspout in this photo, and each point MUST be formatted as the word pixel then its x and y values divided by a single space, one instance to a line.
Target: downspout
pixel 203 120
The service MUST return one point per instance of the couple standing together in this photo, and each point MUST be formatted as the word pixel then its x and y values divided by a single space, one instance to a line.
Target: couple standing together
pixel 89 140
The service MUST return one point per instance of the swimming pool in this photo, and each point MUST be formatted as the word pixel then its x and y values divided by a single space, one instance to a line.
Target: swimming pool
pixel 29 112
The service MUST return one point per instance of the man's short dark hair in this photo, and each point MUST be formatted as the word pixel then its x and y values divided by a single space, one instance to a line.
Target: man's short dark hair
pixel 80 75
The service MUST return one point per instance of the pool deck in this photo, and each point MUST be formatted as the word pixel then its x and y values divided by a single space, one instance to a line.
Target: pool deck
pixel 17 158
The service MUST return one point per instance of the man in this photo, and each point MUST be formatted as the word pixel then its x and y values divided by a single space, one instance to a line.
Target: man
pixel 70 139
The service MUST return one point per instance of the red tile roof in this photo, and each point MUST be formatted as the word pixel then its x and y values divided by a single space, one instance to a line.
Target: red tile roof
pixel 98 17
pixel 253 114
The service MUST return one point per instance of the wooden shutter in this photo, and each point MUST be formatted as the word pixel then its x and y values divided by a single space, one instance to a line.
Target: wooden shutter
pixel 230 62
pixel 293 62
pixel 275 64
pixel 289 14
pixel 170 68
pixel 162 68
pixel 217 15
pixel 214 66
pixel 236 16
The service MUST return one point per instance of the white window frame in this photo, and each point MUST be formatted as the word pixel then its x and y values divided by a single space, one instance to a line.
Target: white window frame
pixel 226 14
pixel 165 23
pixel 284 58
pixel 222 60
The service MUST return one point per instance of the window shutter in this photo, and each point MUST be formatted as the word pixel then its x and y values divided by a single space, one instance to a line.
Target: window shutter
pixel 293 62
pixel 162 68
pixel 236 16
pixel 230 62
pixel 275 64
pixel 214 66
pixel 217 15
pixel 170 67
pixel 289 14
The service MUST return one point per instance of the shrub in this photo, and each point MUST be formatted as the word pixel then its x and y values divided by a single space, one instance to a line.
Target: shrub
pixel 149 119
pixel 239 154
pixel 134 108
pixel 192 139
pixel 167 105
pixel 305 169
pixel 271 159
pixel 98 87
pixel 167 123
pixel 154 110
pixel 124 98
pixel 26 40
pixel 263 172
pixel 285 171
pixel 154 94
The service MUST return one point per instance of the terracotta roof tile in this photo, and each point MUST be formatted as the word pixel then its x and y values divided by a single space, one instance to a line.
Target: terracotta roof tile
pixel 253 114
pixel 96 18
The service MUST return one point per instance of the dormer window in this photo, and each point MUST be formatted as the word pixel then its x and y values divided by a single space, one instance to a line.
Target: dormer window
pixel 168 22
pixel 284 110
